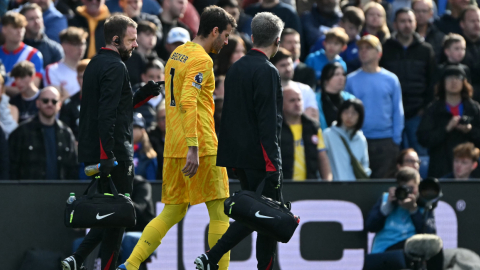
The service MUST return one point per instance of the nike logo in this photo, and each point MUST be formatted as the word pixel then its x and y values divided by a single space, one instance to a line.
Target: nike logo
pixel 257 214
pixel 104 216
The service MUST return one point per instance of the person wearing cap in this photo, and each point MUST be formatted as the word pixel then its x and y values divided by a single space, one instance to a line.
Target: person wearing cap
pixel 144 157
pixel 453 118
pixel 408 56
pixel 380 92
pixel 176 37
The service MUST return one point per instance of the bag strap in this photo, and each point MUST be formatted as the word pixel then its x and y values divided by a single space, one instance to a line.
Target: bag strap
pixel 92 188
pixel 352 157
pixel 279 191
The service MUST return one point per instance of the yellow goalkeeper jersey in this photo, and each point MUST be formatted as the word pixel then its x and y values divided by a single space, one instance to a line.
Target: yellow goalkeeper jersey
pixel 189 85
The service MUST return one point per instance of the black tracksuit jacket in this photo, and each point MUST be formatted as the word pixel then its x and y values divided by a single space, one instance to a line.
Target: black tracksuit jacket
pixel 252 115
pixel 106 112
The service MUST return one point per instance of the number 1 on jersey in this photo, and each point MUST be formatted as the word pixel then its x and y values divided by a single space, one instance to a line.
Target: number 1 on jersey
pixel 172 98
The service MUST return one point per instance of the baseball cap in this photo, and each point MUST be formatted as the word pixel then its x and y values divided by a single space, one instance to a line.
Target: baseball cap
pixel 178 34
pixel 371 40
pixel 138 120
pixel 453 70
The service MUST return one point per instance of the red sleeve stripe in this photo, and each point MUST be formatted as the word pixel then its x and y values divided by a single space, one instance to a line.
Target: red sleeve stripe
pixel 103 155
pixel 143 102
pixel 39 74
pixel 268 164
pixel 31 54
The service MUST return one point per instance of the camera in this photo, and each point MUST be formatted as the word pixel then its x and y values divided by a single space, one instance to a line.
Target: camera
pixel 402 192
pixel 465 120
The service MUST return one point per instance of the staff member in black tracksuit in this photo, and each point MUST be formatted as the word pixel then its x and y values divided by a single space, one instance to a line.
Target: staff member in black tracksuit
pixel 251 126
pixel 105 131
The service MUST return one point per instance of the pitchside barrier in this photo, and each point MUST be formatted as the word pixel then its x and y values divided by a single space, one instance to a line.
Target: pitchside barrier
pixel 330 235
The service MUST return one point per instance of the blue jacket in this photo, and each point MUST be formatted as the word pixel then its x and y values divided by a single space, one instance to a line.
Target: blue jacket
pixel 54 22
pixel 145 166
pixel 323 121
pixel 350 55
pixel 315 25
pixel 318 60
pixel 398 225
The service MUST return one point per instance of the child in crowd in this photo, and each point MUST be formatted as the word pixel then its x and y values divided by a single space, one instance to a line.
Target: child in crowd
pixel 335 42
pixel 352 21
pixel 454 47
pixel 24 75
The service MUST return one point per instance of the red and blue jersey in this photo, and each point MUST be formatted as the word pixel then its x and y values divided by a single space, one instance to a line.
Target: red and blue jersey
pixel 24 52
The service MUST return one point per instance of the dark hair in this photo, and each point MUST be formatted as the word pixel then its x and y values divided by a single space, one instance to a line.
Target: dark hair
pixel 466 93
pixel 402 155
pixel 358 106
pixel 328 72
pixel 228 3
pixel 407 174
pixel 146 27
pixel 463 14
pixel 23 69
pixel 73 35
pixel 466 150
pixel 288 31
pixel 30 6
pixel 281 55
pixel 353 15
pixel 451 39
pixel 401 11
pixel 213 16
pixel 223 58
pixel 117 25
pixel 14 19
pixel 155 63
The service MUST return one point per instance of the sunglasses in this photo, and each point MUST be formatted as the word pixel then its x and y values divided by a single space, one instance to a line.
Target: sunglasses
pixel 46 100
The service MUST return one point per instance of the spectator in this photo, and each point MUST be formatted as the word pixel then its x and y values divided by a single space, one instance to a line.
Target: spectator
pixel 335 42
pixel 70 111
pixel 219 91
pixel 157 138
pixel 148 6
pixel 229 54
pixel 173 10
pixel 63 74
pixel 345 142
pixel 470 23
pixel 408 158
pixel 35 37
pixel 284 64
pixel 331 96
pixel 413 61
pixel 25 101
pixel 454 47
pixel 452 119
pixel 243 20
pixel 176 37
pixel 376 21
pixel 423 10
pixel 53 19
pixel 144 53
pixel 323 16
pixel 43 147
pixel 14 50
pixel 144 156
pixel 133 9
pixel 450 21
pixel 381 95
pixel 91 17
pixel 352 21
pixel 303 150
pixel 154 71
pixel 465 161
pixel 191 19
pixel 4 162
pixel 394 220
pixel 8 112
pixel 283 11
pixel 290 40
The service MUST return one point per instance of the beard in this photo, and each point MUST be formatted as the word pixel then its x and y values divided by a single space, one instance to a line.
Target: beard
pixel 217 45
pixel 124 53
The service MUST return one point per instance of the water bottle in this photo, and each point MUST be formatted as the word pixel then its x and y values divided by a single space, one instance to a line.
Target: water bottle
pixel 72 198
pixel 94 169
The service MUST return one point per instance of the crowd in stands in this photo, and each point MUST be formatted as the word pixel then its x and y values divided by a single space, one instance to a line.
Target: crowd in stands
pixel 369 86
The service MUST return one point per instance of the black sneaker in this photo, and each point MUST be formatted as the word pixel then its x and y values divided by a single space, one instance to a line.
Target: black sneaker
pixel 71 264
pixel 203 263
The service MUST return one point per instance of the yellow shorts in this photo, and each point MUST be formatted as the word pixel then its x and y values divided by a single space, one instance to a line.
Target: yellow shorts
pixel 208 184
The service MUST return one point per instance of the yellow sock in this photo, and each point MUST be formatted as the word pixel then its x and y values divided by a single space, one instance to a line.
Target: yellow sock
pixel 219 224
pixel 154 232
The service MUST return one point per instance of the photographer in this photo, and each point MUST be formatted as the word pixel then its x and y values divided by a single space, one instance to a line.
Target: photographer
pixel 452 119
pixel 396 217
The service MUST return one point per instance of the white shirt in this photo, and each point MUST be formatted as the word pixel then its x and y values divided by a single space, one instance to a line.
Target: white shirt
pixel 58 74
pixel 308 96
